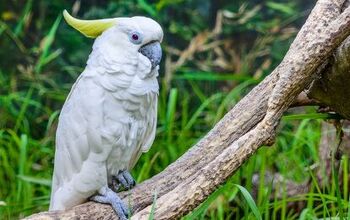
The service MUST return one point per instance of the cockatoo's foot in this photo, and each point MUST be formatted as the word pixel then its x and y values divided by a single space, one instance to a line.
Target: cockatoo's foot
pixel 107 196
pixel 124 180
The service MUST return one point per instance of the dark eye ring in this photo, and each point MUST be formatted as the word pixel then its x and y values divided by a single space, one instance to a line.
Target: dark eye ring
pixel 135 37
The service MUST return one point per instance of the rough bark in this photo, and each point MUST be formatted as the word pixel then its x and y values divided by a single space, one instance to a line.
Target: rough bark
pixel 187 182
pixel 332 87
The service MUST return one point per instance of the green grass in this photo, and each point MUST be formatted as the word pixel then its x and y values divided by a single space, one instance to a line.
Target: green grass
pixel 319 202
pixel 41 58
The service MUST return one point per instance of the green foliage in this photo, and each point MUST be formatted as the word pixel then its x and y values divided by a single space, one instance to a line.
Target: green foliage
pixel 41 57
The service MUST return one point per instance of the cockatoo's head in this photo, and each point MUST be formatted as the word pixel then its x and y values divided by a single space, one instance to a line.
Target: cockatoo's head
pixel 124 37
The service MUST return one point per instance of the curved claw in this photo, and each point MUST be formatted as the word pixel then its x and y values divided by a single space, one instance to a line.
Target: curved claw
pixel 107 196
pixel 124 180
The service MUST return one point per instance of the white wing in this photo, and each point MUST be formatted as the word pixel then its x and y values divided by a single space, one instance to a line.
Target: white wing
pixel 79 159
pixel 149 131
pixel 151 125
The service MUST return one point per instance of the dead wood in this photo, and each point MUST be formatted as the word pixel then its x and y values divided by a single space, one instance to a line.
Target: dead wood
pixel 187 182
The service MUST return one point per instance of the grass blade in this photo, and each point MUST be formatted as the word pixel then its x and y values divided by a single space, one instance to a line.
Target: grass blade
pixel 47 44
pixel 22 164
pixel 26 13
pixel 30 179
pixel 170 116
pixel 250 201
pixel 212 76
pixel 312 116
pixel 147 7
pixel 153 208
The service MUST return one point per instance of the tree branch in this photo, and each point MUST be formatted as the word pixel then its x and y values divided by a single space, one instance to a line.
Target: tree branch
pixel 331 88
pixel 187 182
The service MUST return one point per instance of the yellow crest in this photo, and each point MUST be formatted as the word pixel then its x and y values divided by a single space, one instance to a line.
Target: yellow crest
pixel 89 28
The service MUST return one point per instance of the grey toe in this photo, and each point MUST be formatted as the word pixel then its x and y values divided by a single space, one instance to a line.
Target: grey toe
pixel 129 179
pixel 121 179
pixel 125 180
pixel 110 197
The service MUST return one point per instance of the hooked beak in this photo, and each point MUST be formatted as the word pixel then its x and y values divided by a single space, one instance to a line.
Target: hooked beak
pixel 153 52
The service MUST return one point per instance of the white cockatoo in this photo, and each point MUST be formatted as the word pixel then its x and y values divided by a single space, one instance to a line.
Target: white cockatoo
pixel 110 116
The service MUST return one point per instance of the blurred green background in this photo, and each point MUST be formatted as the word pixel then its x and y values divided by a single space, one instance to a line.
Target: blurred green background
pixel 214 53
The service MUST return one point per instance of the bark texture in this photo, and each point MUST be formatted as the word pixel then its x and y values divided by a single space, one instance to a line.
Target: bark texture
pixel 187 182
pixel 332 87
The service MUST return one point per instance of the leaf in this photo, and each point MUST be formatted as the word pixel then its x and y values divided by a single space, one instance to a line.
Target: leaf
pixel 202 209
pixel 282 7
pixel 250 201
pixel 211 76
pixel 35 180
pixel 151 215
pixel 47 42
pixel 147 7
pixel 312 116
pixel 24 18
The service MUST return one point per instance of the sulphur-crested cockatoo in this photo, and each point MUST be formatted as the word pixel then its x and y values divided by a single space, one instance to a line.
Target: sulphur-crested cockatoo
pixel 110 115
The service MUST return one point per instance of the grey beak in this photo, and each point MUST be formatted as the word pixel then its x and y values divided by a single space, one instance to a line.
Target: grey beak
pixel 153 52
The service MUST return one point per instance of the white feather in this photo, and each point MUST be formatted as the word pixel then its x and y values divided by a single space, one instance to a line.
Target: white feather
pixel 108 119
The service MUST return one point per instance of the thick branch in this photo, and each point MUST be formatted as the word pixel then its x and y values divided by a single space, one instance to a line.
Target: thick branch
pixel 187 182
pixel 332 87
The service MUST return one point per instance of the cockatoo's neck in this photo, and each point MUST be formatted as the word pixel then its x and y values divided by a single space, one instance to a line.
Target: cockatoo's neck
pixel 110 59
pixel 105 59
pixel 120 69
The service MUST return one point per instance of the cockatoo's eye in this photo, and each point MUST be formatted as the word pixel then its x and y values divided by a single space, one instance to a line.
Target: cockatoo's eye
pixel 135 37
